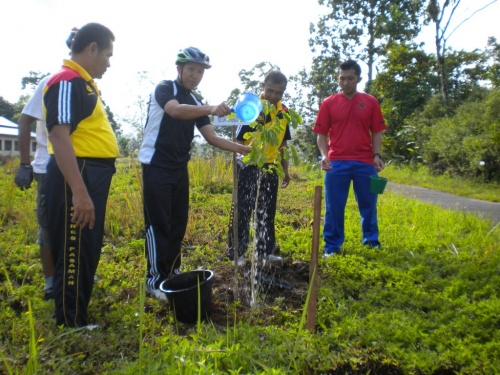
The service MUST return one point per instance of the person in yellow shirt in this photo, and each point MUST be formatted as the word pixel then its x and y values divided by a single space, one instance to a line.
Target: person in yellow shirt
pixel 83 149
pixel 273 88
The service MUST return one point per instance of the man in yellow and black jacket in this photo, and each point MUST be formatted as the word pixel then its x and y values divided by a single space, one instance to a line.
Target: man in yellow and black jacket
pixel 83 149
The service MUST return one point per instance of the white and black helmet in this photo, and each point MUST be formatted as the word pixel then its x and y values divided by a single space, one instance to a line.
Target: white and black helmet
pixel 192 54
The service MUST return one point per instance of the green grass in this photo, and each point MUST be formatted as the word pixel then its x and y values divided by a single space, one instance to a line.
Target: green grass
pixel 453 185
pixel 427 303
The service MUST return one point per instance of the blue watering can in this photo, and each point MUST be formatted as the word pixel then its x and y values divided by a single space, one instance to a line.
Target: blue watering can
pixel 248 107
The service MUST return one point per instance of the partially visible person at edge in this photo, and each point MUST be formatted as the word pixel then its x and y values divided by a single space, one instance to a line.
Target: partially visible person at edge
pixel 174 111
pixel 83 150
pixel 349 128
pixel 273 88
pixel 33 111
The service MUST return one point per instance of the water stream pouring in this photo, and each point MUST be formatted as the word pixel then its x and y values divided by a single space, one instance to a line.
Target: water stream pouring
pixel 248 107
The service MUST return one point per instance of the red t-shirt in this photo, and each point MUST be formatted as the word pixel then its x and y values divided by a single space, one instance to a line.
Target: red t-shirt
pixel 349 124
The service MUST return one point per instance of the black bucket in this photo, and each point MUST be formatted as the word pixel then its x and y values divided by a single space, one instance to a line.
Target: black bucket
pixel 182 294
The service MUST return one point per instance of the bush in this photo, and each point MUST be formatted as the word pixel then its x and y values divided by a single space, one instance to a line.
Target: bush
pixel 467 144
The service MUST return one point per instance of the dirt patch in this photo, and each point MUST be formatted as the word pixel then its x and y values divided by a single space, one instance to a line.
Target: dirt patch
pixel 284 286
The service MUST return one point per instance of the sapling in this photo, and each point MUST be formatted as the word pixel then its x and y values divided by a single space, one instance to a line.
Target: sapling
pixel 264 135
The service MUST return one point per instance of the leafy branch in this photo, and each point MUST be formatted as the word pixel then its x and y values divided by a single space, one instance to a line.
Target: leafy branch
pixel 266 135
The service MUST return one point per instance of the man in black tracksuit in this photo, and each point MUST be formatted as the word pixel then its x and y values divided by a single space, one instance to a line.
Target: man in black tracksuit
pixel 174 111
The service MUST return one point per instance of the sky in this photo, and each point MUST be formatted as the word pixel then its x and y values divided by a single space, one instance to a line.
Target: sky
pixel 235 34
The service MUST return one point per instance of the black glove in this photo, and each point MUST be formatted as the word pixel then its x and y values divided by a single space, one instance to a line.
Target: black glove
pixel 24 176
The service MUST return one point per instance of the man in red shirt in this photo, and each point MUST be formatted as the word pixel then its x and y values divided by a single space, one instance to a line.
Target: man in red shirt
pixel 349 130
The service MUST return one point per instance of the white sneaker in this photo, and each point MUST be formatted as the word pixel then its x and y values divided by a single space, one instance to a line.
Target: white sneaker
pixel 241 261
pixel 272 260
pixel 91 327
pixel 157 294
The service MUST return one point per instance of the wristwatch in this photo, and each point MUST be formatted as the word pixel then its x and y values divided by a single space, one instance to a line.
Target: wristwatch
pixel 377 154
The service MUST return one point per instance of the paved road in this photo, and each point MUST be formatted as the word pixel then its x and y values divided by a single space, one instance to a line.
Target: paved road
pixel 485 209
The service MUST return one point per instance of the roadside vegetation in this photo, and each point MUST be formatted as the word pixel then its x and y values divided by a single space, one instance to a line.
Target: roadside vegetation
pixel 427 303
pixel 420 176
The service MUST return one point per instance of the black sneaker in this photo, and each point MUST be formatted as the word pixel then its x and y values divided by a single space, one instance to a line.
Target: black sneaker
pixel 48 294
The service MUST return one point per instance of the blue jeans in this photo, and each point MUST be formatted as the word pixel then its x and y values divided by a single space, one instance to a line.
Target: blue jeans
pixel 337 185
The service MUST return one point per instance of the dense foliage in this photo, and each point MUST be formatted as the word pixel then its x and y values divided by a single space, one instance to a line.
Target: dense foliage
pixel 466 143
pixel 381 35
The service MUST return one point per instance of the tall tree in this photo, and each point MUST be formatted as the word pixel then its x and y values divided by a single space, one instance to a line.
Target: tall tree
pixel 363 29
pixel 32 80
pixel 406 83
pixel 441 14
pixel 466 73
pixel 13 111
pixel 111 118
pixel 493 52
pixel 7 109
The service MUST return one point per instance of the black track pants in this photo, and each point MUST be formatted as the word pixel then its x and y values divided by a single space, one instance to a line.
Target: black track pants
pixel 76 252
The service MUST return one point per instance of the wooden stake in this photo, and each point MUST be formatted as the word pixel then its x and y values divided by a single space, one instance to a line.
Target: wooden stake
pixel 234 208
pixel 313 265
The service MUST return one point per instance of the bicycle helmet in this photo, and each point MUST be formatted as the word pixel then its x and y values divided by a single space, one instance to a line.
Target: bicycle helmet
pixel 192 54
